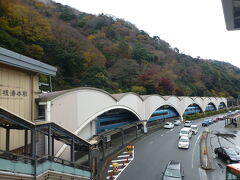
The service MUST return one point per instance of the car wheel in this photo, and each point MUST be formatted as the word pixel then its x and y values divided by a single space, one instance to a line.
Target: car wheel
pixel 228 161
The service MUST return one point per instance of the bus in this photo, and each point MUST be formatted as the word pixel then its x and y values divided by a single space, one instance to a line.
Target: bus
pixel 233 172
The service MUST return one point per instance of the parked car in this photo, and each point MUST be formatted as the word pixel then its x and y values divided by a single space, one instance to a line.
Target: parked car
pixel 220 118
pixel 205 122
pixel 227 154
pixel 210 121
pixel 177 122
pixel 215 120
pixel 173 170
pixel 186 132
pixel 194 129
pixel 168 125
pixel 184 142
pixel 188 123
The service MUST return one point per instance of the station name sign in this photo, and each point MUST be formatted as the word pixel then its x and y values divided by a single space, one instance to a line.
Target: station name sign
pixel 4 93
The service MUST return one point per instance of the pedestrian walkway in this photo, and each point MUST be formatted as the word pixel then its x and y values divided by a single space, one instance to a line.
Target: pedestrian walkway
pixel 119 163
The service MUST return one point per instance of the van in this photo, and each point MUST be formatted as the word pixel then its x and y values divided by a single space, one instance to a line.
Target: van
pixel 187 132
pixel 194 129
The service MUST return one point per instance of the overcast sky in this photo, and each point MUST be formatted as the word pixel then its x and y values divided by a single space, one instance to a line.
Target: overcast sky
pixel 195 27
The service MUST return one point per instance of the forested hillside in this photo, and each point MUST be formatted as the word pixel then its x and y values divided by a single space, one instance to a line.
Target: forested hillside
pixel 108 53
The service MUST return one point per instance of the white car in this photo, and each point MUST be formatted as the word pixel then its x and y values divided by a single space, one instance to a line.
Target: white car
pixel 188 123
pixel 185 132
pixel 168 125
pixel 194 129
pixel 177 122
pixel 183 142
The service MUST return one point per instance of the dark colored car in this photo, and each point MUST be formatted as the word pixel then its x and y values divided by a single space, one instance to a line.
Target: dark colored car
pixel 210 121
pixel 173 171
pixel 205 122
pixel 227 154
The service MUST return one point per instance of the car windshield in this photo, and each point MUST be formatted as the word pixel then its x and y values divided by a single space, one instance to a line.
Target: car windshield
pixel 173 173
pixel 231 152
pixel 194 127
pixel 183 140
pixel 184 132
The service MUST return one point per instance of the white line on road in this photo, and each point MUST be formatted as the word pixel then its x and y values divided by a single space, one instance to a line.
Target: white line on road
pixel 194 148
pixel 162 134
pixel 202 174
pixel 123 156
pixel 119 160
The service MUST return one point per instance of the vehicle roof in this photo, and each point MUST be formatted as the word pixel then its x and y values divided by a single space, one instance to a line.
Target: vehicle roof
pixel 186 128
pixel 188 121
pixel 184 137
pixel 228 148
pixel 174 165
pixel 194 125
pixel 234 166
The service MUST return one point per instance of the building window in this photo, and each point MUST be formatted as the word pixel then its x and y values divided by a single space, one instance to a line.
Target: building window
pixel 41 112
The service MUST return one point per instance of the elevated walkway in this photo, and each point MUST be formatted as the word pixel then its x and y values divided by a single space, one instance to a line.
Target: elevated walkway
pixel 28 163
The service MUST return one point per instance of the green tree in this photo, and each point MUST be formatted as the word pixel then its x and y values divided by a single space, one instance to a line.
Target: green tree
pixel 138 89
pixel 96 76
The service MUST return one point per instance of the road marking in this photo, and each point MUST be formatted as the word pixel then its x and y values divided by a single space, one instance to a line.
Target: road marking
pixel 171 130
pixel 162 135
pixel 194 148
pixel 119 160
pixel 122 169
pixel 202 174
pixel 123 156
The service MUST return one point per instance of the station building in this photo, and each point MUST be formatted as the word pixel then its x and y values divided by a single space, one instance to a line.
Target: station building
pixel 26 142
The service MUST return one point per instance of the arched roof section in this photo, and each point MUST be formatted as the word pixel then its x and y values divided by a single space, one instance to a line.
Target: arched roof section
pixel 213 103
pixel 122 95
pixel 187 101
pixel 145 97
pixel 53 95
pixel 94 116
pixel 166 104
pixel 132 101
pixel 222 103
pixel 90 119
pixel 153 102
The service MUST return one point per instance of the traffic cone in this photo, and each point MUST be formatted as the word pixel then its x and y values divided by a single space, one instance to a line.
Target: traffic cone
pixel 204 150
pixel 130 153
pixel 123 165
pixel 111 175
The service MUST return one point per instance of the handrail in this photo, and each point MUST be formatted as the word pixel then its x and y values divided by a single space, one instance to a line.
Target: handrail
pixel 13 156
pixel 62 161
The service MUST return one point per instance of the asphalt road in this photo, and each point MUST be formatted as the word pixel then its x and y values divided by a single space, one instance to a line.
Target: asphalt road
pixel 153 152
